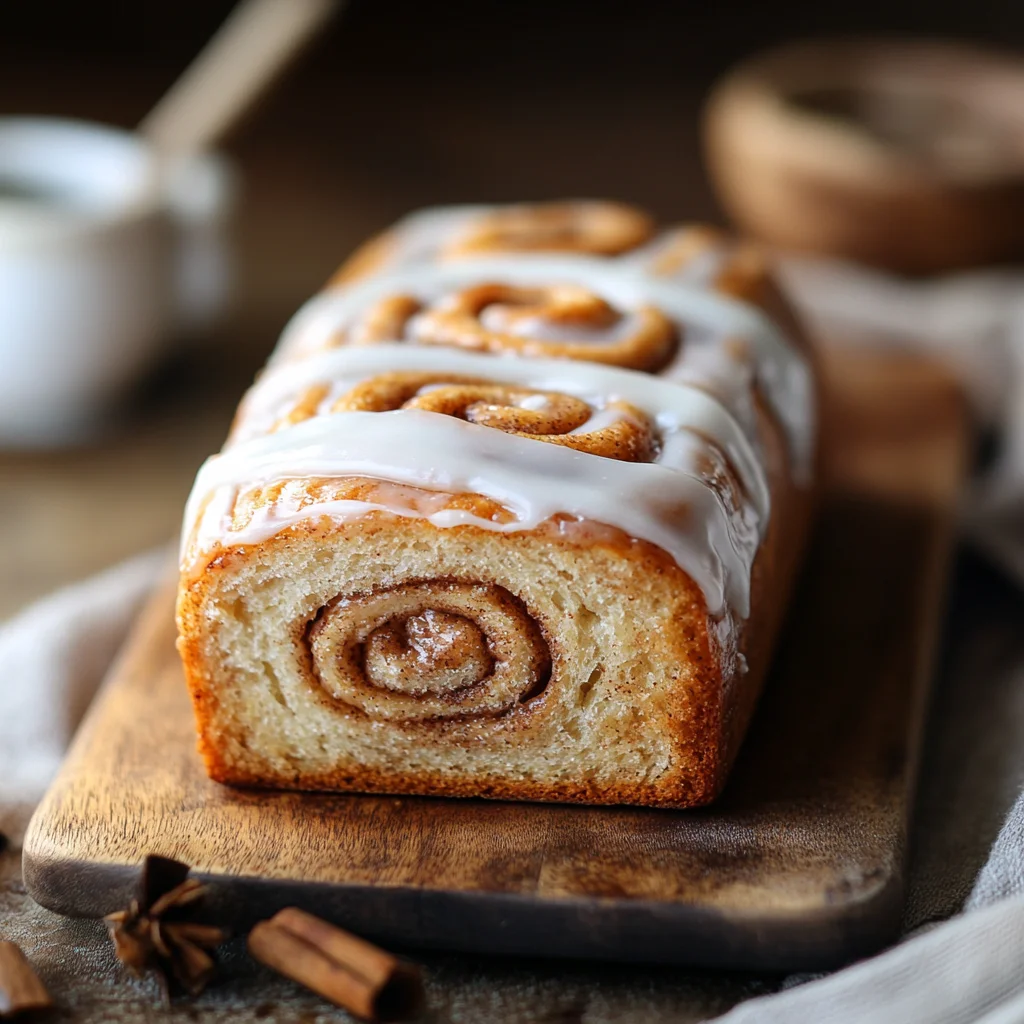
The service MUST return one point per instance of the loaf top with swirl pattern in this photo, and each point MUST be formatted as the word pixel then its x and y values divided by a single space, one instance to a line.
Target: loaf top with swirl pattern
pixel 511 367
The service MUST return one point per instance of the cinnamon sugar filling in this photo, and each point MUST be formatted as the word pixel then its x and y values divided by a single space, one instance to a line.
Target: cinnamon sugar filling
pixel 430 650
pixel 561 321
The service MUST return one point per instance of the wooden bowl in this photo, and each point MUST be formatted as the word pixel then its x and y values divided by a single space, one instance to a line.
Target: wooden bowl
pixel 908 156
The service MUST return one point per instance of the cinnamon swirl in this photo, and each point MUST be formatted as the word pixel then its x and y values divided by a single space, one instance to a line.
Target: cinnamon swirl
pixel 597 228
pixel 696 254
pixel 512 512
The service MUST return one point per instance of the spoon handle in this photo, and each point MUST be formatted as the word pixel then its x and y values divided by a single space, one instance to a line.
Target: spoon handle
pixel 251 48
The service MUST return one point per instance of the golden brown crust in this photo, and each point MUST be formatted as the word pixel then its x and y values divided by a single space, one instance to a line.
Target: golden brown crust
pixel 366 260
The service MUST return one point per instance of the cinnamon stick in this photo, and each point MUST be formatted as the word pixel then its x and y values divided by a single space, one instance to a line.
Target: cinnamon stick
pixel 348 971
pixel 20 988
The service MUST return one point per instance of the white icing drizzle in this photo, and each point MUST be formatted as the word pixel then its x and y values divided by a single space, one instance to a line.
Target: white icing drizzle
pixel 702 404
pixel 708 321
pixel 673 407
pixel 671 506
pixel 700 270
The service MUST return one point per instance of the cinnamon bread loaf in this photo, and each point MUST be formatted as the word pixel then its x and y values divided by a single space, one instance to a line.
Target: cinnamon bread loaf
pixel 514 511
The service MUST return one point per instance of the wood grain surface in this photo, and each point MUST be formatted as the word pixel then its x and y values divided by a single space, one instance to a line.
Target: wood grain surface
pixel 799 865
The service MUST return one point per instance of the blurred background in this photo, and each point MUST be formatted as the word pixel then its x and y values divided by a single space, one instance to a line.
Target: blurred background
pixel 400 104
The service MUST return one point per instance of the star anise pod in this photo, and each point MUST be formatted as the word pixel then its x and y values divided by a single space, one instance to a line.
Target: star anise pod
pixel 158 930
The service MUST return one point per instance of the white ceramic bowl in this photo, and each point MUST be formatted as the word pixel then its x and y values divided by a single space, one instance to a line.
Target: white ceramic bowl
pixel 104 256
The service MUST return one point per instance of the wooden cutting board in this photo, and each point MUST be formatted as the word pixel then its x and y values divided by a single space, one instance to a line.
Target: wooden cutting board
pixel 799 865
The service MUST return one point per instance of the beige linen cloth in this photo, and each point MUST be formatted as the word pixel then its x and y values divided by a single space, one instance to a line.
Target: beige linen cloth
pixel 963 956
